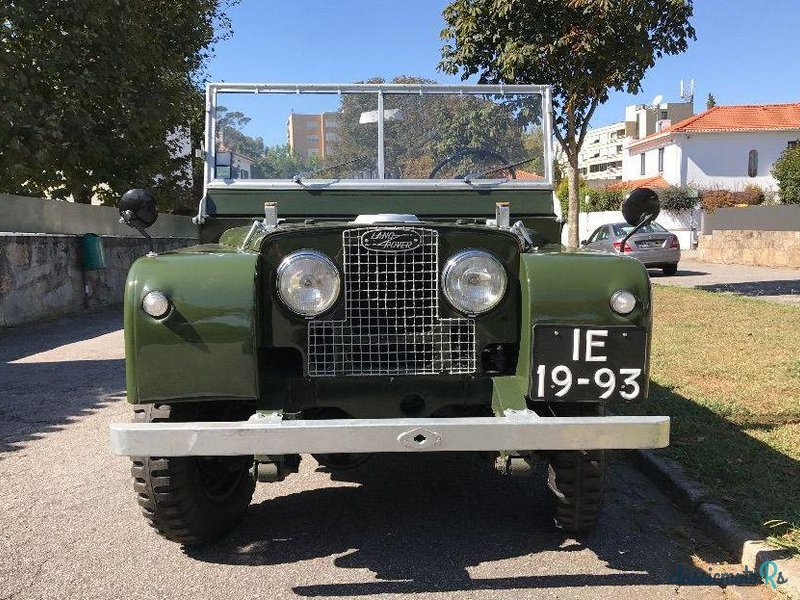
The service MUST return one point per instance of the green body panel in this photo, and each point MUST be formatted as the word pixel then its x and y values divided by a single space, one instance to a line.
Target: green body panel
pixel 229 336
pixel 234 208
pixel 205 348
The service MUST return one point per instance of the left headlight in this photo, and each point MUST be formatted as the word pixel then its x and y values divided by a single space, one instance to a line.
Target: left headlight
pixel 473 281
pixel 308 282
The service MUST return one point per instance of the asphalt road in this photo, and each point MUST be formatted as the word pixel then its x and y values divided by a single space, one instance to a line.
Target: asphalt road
pixel 433 525
pixel 764 283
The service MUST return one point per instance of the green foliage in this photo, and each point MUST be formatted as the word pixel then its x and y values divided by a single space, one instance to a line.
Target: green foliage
pixel 100 96
pixel 677 198
pixel 605 199
pixel 562 193
pixel 279 162
pixel 230 136
pixel 787 171
pixel 583 47
pixel 711 102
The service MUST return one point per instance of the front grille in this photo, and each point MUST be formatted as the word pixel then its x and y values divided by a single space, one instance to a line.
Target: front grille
pixel 391 324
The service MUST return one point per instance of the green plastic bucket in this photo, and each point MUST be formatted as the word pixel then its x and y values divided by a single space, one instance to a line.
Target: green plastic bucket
pixel 92 256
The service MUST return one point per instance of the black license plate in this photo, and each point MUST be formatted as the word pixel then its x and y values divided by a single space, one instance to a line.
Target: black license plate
pixel 575 362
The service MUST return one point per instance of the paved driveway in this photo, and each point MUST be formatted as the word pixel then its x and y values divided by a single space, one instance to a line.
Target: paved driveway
pixel 764 283
pixel 436 526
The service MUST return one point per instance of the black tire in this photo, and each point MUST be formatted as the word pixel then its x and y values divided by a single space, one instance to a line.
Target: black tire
pixel 190 499
pixel 575 484
pixel 670 269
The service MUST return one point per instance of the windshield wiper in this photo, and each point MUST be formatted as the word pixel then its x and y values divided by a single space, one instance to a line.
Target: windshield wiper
pixel 298 177
pixel 469 177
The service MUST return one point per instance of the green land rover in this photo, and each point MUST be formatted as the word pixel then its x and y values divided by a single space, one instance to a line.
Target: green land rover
pixel 389 280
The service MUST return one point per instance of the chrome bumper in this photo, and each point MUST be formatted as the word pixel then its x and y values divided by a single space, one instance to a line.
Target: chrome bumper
pixel 270 435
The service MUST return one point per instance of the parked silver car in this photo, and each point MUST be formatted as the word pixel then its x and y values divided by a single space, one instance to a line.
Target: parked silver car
pixel 653 245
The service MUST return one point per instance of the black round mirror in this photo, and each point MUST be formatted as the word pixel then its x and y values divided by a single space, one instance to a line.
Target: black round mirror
pixel 138 208
pixel 639 204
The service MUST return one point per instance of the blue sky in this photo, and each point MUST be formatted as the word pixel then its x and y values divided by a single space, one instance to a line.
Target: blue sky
pixel 746 50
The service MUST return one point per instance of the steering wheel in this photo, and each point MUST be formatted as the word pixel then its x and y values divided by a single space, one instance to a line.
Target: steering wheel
pixel 479 153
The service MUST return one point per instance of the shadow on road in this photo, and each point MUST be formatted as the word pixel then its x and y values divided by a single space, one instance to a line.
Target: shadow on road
pixel 43 395
pixel 420 522
pixel 659 274
pixel 781 287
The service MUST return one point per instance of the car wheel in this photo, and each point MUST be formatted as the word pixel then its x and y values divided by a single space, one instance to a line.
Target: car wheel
pixel 575 485
pixel 190 499
pixel 670 269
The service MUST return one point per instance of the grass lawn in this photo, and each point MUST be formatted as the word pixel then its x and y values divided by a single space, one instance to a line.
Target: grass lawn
pixel 727 370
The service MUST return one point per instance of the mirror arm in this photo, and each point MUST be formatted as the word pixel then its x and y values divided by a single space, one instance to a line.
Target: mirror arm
pixel 646 220
pixel 129 219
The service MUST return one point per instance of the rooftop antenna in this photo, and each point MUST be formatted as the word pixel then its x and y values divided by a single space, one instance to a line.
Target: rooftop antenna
pixel 687 94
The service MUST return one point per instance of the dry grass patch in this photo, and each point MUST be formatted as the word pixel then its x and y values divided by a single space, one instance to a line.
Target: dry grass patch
pixel 727 370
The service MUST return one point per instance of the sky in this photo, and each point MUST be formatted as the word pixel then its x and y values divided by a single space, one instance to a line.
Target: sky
pixel 746 52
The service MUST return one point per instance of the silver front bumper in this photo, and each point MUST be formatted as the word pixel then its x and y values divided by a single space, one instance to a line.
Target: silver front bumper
pixel 269 435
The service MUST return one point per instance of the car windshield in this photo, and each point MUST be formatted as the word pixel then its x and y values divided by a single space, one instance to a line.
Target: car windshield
pixel 376 131
pixel 621 229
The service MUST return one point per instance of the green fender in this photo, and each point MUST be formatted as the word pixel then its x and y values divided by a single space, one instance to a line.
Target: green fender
pixel 571 288
pixel 205 348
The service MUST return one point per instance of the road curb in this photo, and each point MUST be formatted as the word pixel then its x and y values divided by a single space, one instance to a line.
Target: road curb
pixel 697 501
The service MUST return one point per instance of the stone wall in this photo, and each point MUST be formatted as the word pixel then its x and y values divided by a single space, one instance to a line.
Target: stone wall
pixel 755 248
pixel 41 275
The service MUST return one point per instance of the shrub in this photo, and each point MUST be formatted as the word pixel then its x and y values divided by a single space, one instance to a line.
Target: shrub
pixel 677 198
pixel 605 199
pixel 752 195
pixel 787 171
pixel 562 193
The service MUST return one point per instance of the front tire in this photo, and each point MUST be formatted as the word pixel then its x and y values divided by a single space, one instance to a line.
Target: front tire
pixel 190 499
pixel 575 484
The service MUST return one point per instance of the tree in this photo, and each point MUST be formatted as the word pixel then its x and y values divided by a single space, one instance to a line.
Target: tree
pixel 280 162
pixel 230 136
pixel 585 48
pixel 102 96
pixel 432 128
pixel 787 171
pixel 711 102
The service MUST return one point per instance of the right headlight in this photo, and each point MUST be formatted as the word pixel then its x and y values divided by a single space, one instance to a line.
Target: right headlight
pixel 473 281
pixel 308 282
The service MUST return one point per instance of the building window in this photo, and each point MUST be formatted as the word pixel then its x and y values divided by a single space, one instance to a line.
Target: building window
pixel 331 123
pixel 311 125
pixel 244 175
pixel 660 160
pixel 312 139
pixel 641 163
pixel 664 115
pixel 752 163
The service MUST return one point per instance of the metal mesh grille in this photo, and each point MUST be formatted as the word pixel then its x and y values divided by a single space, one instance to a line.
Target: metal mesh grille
pixel 392 324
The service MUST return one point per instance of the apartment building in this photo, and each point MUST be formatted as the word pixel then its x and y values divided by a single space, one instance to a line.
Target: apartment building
pixel 312 135
pixel 600 158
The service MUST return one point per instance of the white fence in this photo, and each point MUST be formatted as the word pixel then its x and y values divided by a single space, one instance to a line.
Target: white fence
pixel 686 224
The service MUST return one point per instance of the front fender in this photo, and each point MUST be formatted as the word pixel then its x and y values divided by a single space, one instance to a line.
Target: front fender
pixel 572 288
pixel 205 348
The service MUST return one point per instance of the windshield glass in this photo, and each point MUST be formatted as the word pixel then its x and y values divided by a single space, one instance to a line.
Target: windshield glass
pixel 405 131
pixel 621 229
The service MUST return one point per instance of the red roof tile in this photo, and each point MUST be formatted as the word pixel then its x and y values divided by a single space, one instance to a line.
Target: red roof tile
pixel 657 183
pixel 527 174
pixel 749 117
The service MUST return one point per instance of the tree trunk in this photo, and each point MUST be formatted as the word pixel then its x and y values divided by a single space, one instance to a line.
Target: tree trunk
pixel 573 179
pixel 81 194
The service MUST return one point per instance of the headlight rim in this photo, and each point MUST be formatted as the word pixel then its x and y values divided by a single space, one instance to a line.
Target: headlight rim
pixel 286 262
pixel 453 261
pixel 160 316
pixel 616 294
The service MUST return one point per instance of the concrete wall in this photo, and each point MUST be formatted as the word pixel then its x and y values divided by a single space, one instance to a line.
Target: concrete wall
pixel 757 248
pixel 684 224
pixel 761 218
pixel 41 276
pixel 20 214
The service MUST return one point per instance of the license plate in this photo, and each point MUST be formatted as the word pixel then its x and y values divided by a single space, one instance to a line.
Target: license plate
pixel 651 244
pixel 588 363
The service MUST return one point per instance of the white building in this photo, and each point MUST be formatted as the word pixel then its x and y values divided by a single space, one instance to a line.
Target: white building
pixel 727 147
pixel 601 155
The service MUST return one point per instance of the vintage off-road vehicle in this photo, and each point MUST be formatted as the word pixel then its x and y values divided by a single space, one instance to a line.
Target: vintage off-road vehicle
pixel 392 281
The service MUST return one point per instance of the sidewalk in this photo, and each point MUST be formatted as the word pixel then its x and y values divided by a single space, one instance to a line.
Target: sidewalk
pixel 764 283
